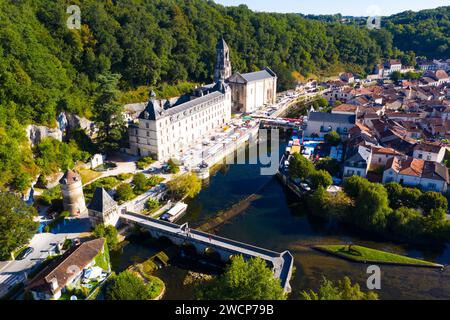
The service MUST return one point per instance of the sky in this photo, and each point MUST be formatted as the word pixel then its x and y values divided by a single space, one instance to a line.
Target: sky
pixel 345 7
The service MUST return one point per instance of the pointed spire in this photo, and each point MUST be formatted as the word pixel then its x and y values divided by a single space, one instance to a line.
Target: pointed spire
pixel 101 200
pixel 222 45
pixel 152 95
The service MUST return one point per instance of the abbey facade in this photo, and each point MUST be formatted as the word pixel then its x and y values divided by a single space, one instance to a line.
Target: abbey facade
pixel 167 128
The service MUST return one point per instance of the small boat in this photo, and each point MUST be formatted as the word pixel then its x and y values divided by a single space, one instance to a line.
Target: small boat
pixel 175 212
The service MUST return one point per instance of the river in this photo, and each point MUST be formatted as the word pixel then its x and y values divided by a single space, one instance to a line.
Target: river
pixel 278 221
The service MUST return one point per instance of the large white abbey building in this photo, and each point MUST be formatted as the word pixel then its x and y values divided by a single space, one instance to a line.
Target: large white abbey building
pixel 167 127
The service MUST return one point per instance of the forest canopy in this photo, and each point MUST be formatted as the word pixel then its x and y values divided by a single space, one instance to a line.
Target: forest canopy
pixel 46 68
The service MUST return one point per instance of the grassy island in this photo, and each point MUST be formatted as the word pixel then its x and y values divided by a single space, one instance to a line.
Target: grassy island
pixel 368 255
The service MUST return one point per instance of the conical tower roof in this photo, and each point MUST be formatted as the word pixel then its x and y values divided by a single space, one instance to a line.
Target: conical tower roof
pixel 70 177
pixel 222 45
pixel 101 201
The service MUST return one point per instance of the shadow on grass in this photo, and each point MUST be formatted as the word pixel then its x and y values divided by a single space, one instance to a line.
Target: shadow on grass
pixel 350 251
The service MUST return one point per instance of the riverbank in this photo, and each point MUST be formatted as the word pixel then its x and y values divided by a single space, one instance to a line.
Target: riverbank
pixel 367 255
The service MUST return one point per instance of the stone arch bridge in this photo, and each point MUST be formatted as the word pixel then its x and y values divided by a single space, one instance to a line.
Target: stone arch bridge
pixel 280 263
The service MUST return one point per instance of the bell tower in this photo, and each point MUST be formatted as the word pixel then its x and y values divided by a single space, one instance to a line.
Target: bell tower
pixel 222 70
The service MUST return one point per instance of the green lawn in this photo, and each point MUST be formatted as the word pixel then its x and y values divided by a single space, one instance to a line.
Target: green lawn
pixel 155 286
pixel 87 175
pixel 364 254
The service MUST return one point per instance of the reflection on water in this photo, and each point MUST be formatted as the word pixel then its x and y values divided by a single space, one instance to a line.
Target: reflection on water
pixel 278 221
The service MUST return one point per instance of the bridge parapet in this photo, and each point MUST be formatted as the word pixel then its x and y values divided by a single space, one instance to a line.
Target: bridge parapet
pixel 282 263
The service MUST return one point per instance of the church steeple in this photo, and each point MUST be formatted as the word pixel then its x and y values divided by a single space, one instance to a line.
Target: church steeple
pixel 222 70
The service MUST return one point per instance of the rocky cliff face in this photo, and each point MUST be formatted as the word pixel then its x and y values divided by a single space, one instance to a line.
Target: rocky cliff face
pixel 37 133
pixel 77 122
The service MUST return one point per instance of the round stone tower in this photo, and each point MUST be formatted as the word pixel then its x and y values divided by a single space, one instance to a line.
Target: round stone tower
pixel 72 192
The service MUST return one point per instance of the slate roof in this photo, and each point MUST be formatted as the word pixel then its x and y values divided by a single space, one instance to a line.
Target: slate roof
pixel 221 44
pixel 157 109
pixel 361 156
pixel 331 117
pixel 428 147
pixel 258 75
pixel 101 201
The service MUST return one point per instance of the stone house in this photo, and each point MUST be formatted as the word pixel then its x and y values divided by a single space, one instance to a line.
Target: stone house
pixel 67 272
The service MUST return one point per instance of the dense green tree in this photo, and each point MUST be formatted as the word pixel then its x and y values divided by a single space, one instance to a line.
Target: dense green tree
pixel 46 68
pixel 152 204
pixel 173 167
pixel 339 290
pixel 435 223
pixel 124 192
pixel 396 75
pixel 17 224
pixel 372 207
pixel 371 203
pixel 140 182
pixel 410 197
pixel 328 206
pixel 433 200
pixel 243 280
pixel 186 185
pixel 320 178
pixel 354 185
pixel 318 202
pixel 300 167
pixel 127 286
pixel 394 190
pixel 333 138
pixel 328 164
pixel 53 155
pixel 406 222
pixel 385 40
pixel 108 114
pixel 424 32
pixel 109 233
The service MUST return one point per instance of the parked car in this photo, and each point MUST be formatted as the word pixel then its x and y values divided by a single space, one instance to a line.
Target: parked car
pixel 25 253
pixel 152 170
pixel 305 186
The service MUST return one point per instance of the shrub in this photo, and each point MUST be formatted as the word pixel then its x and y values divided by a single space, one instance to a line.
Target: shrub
pixel 144 162
pixel 320 178
pixel 340 290
pixel 243 280
pixel 300 167
pixel 140 183
pixel 173 167
pixel 152 205
pixel 333 138
pixel 124 176
pixel 127 286
pixel 49 195
pixel 124 192
pixel 188 185
pixel 109 233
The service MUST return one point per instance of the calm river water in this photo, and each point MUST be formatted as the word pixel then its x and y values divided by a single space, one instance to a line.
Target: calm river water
pixel 278 221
